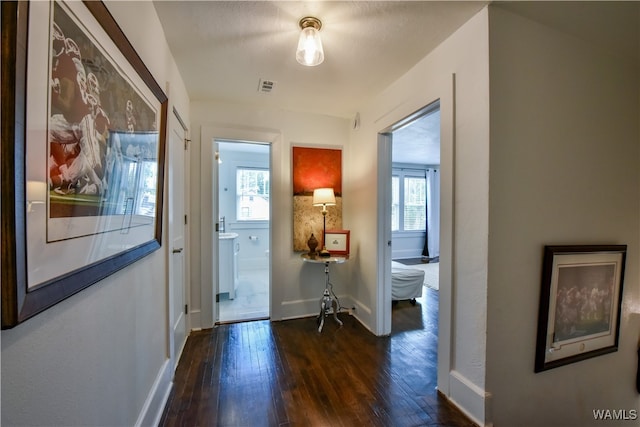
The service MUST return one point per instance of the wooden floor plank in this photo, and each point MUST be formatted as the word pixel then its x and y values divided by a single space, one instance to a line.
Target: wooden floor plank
pixel 287 374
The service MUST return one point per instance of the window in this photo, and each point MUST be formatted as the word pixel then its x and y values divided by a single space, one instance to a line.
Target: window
pixel 409 201
pixel 133 188
pixel 415 204
pixel 252 194
pixel 395 203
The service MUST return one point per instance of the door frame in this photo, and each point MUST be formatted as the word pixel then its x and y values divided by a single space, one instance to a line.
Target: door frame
pixel 445 93
pixel 209 200
pixel 216 214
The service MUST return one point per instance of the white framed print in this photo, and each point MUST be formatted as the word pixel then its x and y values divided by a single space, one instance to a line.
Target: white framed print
pixel 337 241
pixel 83 144
pixel 580 303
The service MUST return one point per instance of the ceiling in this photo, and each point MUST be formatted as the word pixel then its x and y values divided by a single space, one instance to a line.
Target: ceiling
pixel 418 142
pixel 224 48
pixel 610 26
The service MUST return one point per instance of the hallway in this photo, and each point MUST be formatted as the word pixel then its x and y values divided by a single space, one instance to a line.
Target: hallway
pixel 286 373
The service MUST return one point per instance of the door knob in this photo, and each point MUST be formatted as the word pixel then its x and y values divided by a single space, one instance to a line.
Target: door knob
pixel 177 250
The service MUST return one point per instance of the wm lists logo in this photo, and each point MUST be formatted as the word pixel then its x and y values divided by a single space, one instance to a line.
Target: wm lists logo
pixel 615 414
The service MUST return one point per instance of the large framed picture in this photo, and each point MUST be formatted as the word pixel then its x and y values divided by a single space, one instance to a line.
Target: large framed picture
pixel 337 242
pixel 580 300
pixel 83 142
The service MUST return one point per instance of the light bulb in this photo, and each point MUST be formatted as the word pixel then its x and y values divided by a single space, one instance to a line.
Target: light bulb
pixel 309 50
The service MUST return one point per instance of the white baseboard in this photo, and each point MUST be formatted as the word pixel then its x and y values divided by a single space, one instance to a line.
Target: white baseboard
pixel 468 397
pixel 298 309
pixel 361 308
pixel 295 309
pixel 195 316
pixel 153 407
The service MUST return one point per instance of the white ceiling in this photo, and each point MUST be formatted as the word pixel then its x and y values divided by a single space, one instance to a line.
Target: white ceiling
pixel 610 26
pixel 419 142
pixel 224 48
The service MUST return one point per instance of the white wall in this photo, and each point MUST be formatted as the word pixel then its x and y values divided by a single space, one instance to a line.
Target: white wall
pixel 464 203
pixel 296 288
pixel 564 170
pixel 100 357
pixel 407 245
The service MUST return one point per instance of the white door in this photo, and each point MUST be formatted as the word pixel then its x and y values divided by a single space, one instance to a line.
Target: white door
pixel 215 171
pixel 177 244
pixel 384 232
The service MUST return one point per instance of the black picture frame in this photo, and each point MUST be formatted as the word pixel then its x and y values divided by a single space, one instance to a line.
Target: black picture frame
pixel 21 301
pixel 580 303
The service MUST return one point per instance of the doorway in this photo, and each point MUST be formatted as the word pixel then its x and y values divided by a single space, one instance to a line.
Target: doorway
pixel 243 283
pixel 442 91
pixel 415 221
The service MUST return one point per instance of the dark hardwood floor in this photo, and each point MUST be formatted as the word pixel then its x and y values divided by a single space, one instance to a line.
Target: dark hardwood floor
pixel 287 374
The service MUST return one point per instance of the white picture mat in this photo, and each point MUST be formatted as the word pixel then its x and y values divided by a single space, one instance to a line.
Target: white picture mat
pixel 46 261
pixel 336 241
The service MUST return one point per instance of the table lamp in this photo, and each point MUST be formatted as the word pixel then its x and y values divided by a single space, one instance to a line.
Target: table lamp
pixel 324 197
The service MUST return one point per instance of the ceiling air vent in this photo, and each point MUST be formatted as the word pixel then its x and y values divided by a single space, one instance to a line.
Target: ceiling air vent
pixel 266 86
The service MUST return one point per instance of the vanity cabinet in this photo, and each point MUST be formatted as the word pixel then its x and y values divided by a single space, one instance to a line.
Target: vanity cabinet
pixel 229 247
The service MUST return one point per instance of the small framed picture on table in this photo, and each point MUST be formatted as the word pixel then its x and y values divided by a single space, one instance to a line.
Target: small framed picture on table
pixel 337 241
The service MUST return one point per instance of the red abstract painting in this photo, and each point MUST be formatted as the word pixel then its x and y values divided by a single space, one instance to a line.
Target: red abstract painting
pixel 316 168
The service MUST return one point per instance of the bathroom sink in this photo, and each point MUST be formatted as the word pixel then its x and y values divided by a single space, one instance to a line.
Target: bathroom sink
pixel 228 235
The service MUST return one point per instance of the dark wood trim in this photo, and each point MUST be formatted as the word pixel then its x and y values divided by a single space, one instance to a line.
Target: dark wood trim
pixel 12 167
pixel 111 27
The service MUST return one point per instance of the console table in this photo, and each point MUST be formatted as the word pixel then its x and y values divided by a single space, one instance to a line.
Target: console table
pixel 329 300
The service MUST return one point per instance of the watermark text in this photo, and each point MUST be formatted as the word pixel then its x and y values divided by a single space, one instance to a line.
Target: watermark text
pixel 615 414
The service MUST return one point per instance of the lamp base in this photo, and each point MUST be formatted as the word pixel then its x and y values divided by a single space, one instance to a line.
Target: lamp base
pixel 324 253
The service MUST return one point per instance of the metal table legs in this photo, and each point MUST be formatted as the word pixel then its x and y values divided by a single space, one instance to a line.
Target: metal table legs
pixel 328 301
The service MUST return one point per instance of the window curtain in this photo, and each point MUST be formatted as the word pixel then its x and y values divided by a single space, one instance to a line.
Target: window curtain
pixel 432 238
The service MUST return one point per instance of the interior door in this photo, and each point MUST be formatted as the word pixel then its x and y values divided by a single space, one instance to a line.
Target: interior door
pixel 384 232
pixel 177 232
pixel 215 171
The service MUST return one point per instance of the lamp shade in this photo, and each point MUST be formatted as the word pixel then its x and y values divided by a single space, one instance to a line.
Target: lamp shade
pixel 309 51
pixel 324 197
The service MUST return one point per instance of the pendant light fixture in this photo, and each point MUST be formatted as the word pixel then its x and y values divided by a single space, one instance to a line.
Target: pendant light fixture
pixel 309 50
